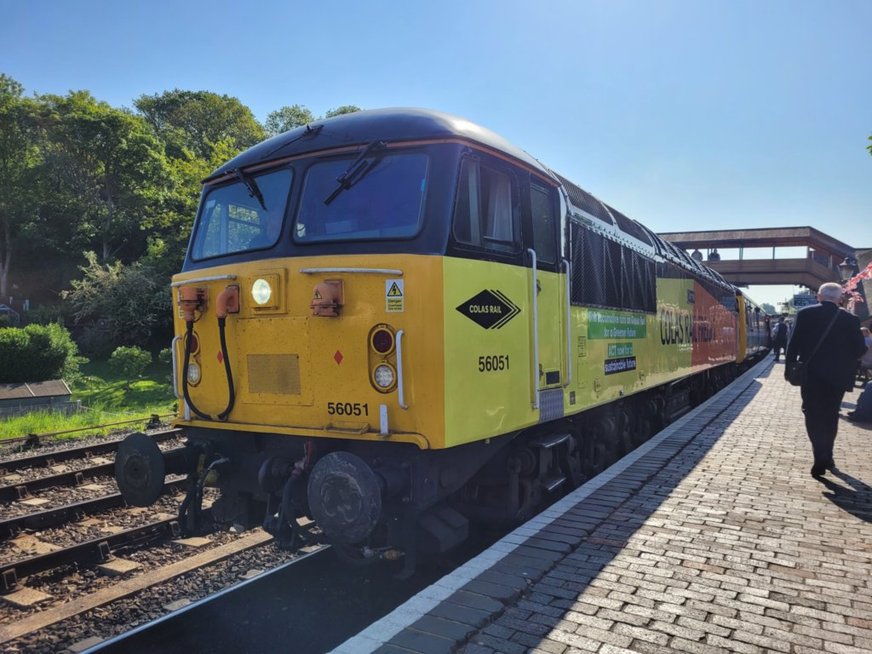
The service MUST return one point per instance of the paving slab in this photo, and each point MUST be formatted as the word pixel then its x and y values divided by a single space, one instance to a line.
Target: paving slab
pixel 710 537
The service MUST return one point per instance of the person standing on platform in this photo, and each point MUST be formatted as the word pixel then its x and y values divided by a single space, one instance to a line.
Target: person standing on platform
pixel 828 340
pixel 779 337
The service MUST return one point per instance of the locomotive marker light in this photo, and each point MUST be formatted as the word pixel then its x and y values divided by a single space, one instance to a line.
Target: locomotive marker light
pixel 261 291
pixel 384 377
pixel 194 374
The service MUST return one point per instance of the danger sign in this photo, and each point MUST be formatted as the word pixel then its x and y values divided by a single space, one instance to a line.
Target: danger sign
pixel 394 296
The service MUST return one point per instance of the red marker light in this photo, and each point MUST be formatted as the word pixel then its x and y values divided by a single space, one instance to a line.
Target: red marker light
pixel 382 341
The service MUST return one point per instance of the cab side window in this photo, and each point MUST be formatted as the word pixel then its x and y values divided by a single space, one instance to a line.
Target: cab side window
pixel 544 216
pixel 487 212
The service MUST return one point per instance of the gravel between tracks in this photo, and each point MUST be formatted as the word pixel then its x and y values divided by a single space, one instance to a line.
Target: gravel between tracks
pixel 124 615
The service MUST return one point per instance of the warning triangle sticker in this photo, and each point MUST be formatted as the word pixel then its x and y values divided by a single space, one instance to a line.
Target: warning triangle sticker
pixel 395 291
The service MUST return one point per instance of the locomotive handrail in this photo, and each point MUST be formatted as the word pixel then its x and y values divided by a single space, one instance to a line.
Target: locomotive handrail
pixel 535 309
pixel 375 271
pixel 400 389
pixel 568 377
pixel 197 280
pixel 175 369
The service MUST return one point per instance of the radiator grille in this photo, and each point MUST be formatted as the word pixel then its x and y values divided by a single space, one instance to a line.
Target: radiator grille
pixel 274 373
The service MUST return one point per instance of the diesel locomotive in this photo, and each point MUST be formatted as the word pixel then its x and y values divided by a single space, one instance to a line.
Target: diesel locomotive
pixel 396 323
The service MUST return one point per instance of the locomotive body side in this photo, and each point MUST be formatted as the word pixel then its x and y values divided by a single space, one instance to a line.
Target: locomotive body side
pixel 432 328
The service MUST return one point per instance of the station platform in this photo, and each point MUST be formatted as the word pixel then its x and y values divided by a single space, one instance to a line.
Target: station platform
pixel 710 537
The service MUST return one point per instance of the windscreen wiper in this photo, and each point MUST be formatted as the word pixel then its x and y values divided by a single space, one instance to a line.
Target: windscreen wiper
pixel 251 185
pixel 358 169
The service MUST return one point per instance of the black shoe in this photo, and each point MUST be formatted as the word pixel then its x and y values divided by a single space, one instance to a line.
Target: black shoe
pixel 817 472
pixel 830 465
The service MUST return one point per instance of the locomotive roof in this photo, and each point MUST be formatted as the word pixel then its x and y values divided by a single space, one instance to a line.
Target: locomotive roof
pixel 362 127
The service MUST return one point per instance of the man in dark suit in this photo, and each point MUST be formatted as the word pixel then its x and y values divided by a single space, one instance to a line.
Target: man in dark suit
pixel 830 372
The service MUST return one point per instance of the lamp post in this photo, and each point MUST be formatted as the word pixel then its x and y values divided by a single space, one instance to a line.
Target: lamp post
pixel 847 269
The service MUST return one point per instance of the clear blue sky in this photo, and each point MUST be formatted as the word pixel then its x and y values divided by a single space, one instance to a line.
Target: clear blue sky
pixel 684 114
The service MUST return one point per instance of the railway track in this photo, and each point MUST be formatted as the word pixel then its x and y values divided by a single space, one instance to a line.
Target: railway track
pixel 80 557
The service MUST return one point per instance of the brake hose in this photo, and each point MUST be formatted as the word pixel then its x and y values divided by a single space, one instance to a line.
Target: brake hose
pixel 228 295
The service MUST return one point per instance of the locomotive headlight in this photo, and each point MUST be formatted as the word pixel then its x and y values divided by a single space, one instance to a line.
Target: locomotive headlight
pixel 384 377
pixel 261 291
pixel 193 374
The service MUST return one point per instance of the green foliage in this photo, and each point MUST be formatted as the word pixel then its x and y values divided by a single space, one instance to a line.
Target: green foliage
pixel 135 298
pixel 37 353
pixel 197 121
pixel 129 362
pixel 296 115
pixel 19 160
pixel 165 357
pixel 109 169
pixel 287 118
pixel 344 109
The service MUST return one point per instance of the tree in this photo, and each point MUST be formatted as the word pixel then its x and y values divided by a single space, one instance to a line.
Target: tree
pixel 768 308
pixel 136 297
pixel 110 170
pixel 344 109
pixel 19 157
pixel 198 121
pixel 296 115
pixel 287 118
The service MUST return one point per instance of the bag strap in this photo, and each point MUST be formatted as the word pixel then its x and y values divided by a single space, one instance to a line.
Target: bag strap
pixel 824 335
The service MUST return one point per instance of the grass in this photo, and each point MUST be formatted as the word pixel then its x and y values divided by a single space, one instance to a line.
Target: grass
pixel 106 399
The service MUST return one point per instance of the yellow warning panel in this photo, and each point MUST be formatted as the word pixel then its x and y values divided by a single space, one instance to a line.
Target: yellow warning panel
pixel 395 295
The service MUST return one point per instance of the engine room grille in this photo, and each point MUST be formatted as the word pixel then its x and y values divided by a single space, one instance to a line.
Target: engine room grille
pixel 274 373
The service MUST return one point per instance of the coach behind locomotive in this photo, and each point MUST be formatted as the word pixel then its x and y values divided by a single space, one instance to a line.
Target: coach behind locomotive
pixel 396 322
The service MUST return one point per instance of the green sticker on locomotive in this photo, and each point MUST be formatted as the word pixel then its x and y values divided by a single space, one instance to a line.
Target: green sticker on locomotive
pixel 615 324
pixel 620 350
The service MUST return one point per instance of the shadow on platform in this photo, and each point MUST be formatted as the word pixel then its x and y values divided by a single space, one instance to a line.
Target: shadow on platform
pixel 856 498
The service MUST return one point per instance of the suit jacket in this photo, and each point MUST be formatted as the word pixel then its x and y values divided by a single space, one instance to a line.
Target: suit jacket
pixel 835 363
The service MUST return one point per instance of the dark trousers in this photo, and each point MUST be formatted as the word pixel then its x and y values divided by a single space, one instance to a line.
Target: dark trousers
pixel 778 346
pixel 820 404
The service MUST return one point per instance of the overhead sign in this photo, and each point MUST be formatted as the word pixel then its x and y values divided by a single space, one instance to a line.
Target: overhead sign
pixel 801 300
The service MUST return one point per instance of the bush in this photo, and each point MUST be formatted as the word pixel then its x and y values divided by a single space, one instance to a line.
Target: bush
pixel 136 296
pixel 37 353
pixel 165 356
pixel 129 362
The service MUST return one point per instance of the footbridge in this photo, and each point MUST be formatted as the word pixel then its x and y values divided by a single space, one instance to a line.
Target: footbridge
pixel 823 255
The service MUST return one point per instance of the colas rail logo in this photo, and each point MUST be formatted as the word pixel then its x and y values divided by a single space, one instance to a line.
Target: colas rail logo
pixel 489 309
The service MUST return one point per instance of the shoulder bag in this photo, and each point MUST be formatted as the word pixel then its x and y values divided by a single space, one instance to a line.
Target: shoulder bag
pixel 797 371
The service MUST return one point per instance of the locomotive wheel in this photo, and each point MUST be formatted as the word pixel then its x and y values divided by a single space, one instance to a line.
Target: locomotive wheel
pixel 139 470
pixel 345 497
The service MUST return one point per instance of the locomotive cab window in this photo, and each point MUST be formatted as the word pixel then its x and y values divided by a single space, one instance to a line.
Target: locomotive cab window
pixel 544 216
pixel 487 212
pixel 379 197
pixel 245 215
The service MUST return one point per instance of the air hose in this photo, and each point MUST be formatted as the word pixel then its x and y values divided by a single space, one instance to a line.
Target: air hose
pixel 227 298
